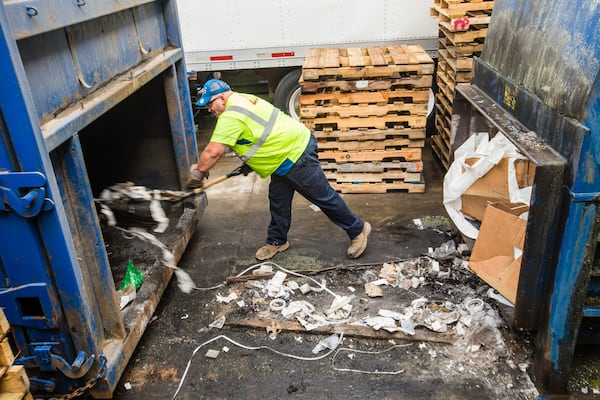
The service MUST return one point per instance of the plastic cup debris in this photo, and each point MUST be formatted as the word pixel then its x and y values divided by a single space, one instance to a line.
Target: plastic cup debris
pixel 474 305
pixel 277 304
pixel 330 342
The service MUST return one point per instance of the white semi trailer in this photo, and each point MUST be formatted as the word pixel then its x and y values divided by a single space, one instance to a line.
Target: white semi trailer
pixel 264 42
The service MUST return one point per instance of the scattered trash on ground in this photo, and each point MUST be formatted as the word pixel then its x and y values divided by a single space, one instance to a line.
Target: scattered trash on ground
pixel 433 300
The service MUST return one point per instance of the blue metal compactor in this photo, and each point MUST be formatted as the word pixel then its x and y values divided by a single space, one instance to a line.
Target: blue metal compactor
pixel 92 93
pixel 538 83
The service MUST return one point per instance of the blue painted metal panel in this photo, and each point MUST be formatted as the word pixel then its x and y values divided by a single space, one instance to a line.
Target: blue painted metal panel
pixel 74 63
pixel 545 61
pixel 551 49
pixel 151 30
pixel 82 58
pixel 54 274
pixel 88 109
pixel 558 337
pixel 33 17
pixel 174 34
pixel 50 71
pixel 103 48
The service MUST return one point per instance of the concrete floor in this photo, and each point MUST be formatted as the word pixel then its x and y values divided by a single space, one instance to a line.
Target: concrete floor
pixel 224 244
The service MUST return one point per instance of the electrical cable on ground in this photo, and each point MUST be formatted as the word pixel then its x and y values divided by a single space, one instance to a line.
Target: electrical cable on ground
pixel 367 352
pixel 189 363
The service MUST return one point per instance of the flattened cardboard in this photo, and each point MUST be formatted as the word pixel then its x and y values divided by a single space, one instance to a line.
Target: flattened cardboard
pixel 496 256
pixel 493 186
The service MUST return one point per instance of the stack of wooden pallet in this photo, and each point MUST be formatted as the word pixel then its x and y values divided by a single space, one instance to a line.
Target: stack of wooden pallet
pixel 367 108
pixel 462 30
pixel 14 383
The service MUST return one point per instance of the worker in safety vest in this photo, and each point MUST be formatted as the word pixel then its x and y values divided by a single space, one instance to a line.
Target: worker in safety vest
pixel 273 144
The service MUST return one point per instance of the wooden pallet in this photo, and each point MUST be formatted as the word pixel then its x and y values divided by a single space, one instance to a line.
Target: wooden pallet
pixel 460 49
pixel 368 145
pixel 439 149
pixel 469 36
pixel 393 176
pixel 456 63
pixel 462 22
pixel 383 122
pixel 371 134
pixel 462 30
pixel 412 154
pixel 363 110
pixel 372 62
pixel 405 82
pixel 368 108
pixel 14 382
pixel 409 166
pixel 460 8
pixel 380 97
pixel 379 187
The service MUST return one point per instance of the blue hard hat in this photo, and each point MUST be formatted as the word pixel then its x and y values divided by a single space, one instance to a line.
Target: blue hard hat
pixel 211 88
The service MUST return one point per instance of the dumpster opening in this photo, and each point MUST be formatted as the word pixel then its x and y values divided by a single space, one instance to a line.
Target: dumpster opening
pixel 133 142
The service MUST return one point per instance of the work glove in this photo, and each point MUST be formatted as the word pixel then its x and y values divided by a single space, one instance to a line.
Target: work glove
pixel 196 179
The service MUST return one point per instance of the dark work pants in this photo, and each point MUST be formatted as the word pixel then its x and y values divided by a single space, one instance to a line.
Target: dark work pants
pixel 307 178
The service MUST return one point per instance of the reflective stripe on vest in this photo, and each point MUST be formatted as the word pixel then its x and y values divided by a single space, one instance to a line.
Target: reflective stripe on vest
pixel 268 126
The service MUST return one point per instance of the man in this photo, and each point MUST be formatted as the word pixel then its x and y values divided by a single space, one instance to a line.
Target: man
pixel 273 144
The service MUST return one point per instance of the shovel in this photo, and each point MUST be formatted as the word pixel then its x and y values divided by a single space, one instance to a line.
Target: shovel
pixel 136 211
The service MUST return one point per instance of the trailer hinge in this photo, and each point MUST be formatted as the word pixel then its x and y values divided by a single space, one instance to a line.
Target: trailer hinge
pixel 47 361
pixel 24 193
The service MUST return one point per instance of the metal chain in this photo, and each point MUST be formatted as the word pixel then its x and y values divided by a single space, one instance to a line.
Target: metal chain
pixel 89 384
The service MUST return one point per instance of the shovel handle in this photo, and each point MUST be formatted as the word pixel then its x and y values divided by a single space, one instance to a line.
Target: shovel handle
pixel 211 183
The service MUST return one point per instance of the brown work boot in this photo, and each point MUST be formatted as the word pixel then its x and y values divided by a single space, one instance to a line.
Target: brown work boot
pixel 359 243
pixel 269 250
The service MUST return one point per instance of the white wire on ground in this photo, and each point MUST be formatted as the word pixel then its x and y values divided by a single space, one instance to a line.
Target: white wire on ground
pixel 367 352
pixel 189 363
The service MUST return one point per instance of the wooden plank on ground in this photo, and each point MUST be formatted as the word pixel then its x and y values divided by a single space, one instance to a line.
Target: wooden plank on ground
pixel 347 329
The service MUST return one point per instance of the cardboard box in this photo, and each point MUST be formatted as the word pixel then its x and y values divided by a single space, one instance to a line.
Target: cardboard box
pixel 497 252
pixel 493 186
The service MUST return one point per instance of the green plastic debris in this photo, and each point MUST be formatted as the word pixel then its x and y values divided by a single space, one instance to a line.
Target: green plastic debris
pixel 132 276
